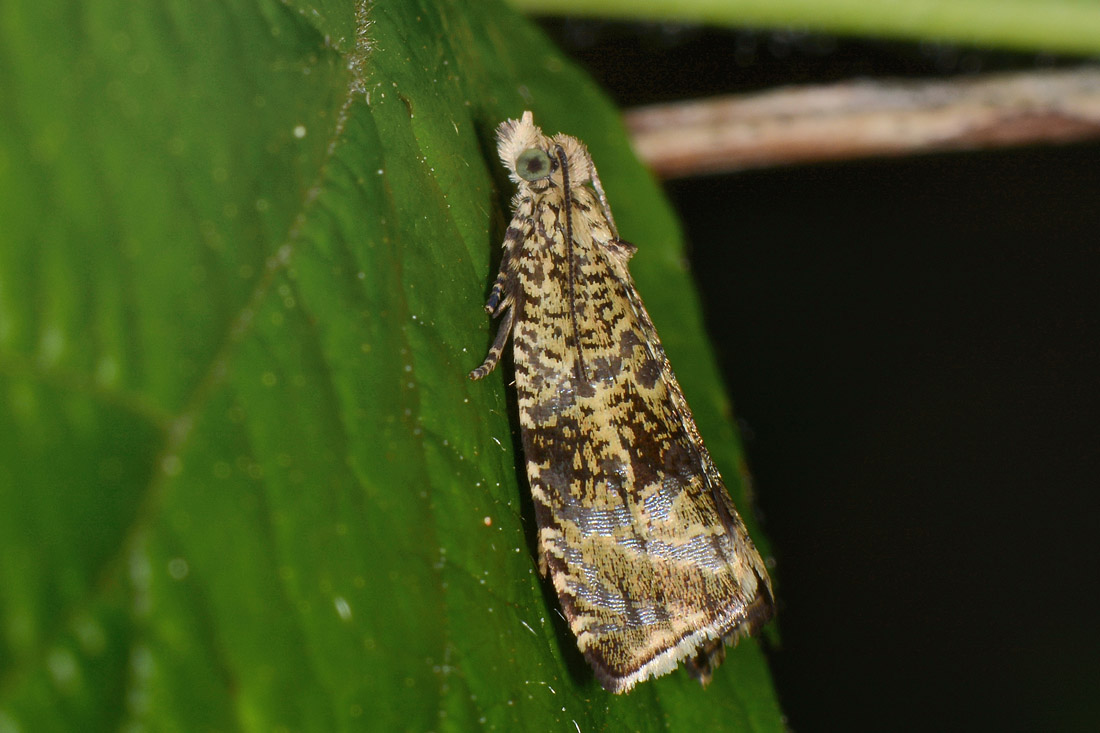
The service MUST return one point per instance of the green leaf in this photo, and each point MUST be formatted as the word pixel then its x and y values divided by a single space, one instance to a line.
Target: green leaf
pixel 1064 26
pixel 244 480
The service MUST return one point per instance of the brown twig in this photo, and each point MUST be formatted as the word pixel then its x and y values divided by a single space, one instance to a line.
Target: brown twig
pixel 866 118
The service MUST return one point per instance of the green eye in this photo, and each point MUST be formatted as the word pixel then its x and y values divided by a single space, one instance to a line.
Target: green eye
pixel 533 164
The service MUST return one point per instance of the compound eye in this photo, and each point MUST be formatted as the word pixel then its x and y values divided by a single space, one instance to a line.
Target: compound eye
pixel 533 164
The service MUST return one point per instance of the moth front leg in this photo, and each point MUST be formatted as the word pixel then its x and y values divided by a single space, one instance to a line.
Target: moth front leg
pixel 502 296
pixel 517 231
pixel 495 351
pixel 496 297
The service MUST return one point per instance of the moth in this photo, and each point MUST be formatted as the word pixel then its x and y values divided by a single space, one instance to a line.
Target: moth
pixel 650 560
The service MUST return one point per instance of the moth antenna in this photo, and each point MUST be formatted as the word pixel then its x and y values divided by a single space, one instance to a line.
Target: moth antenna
pixel 567 209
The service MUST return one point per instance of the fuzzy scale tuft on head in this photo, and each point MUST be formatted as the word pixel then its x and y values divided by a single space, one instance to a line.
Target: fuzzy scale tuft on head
pixel 515 137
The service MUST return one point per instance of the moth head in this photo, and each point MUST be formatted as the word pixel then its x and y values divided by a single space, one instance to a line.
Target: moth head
pixel 532 158
pixel 523 150
pixel 534 164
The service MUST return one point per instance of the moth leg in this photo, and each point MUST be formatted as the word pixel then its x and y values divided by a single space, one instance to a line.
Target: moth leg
pixel 502 297
pixel 493 357
pixel 497 300
pixel 517 231
pixel 603 196
pixel 622 249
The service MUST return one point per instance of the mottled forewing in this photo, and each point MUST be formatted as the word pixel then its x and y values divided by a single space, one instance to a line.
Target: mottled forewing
pixel 648 556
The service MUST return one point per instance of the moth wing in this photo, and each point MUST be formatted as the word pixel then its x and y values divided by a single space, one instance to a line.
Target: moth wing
pixel 650 560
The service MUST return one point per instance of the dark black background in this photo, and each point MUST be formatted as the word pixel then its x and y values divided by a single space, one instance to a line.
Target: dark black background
pixel 912 348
